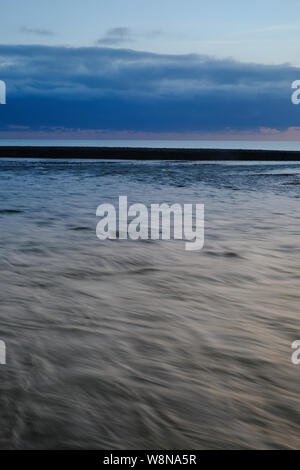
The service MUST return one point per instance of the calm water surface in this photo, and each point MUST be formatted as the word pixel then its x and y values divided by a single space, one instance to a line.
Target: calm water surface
pixel 197 144
pixel 122 344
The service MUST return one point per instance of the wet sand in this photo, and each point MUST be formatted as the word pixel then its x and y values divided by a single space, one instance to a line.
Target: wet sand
pixel 143 153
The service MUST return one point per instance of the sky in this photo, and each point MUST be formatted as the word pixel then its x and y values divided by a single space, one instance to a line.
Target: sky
pixel 165 68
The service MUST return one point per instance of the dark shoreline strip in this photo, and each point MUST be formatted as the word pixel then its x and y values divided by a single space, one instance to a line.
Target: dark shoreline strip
pixel 131 153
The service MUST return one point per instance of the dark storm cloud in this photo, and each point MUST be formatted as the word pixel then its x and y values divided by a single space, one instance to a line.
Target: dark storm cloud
pixel 124 89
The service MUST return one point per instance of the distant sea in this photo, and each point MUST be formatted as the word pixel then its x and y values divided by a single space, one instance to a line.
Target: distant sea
pixel 220 144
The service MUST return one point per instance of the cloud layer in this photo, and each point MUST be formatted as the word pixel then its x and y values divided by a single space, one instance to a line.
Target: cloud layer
pixel 36 31
pixel 116 36
pixel 122 89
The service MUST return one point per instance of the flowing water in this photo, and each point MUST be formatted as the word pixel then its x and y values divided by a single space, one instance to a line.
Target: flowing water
pixel 141 344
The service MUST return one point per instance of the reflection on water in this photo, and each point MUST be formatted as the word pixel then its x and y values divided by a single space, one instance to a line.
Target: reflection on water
pixel 123 344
